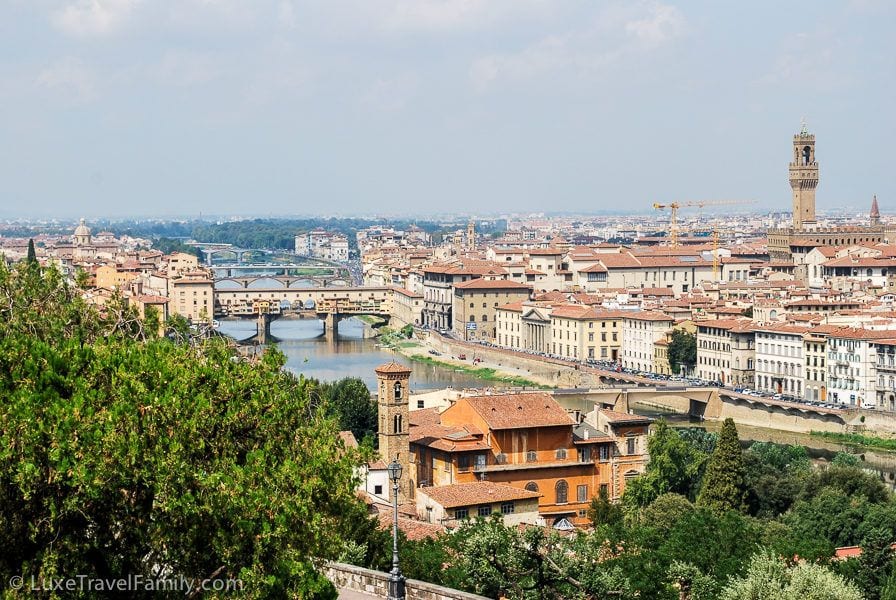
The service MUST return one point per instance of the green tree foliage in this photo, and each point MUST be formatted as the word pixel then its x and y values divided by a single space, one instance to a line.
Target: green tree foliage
pixel 31 257
pixel 682 349
pixel 169 246
pixel 776 476
pixel 122 457
pixel 674 466
pixel 666 511
pixel 603 512
pixel 724 486
pixel 876 562
pixel 770 578
pixel 351 403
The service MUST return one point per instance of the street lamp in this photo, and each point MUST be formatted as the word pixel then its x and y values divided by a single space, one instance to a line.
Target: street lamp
pixel 396 579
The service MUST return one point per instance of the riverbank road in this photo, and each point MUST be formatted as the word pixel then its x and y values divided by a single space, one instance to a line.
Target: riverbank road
pixel 470 351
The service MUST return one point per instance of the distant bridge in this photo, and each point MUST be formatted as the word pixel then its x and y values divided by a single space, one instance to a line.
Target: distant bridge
pixel 331 305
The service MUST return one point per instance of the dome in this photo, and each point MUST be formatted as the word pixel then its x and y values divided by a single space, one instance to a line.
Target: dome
pixel 82 229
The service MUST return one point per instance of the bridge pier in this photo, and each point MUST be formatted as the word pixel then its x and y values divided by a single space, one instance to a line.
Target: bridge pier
pixel 263 328
pixel 331 323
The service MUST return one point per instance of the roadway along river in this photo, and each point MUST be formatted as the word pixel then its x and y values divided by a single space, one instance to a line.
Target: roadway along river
pixel 348 355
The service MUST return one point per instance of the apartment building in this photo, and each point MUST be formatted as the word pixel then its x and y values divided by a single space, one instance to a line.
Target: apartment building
pixel 476 305
pixel 779 359
pixel 885 367
pixel 407 308
pixel 439 280
pixel 815 351
pixel 640 330
pixel 726 351
pixel 852 366
pixel 528 441
pixel 192 296
pixel 508 325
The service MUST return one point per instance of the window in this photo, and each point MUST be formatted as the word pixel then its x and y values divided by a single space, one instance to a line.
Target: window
pixel 585 454
pixel 532 486
pixel 396 424
pixel 377 490
pixel 484 511
pixel 582 493
pixel 531 456
pixel 561 454
pixel 461 513
pixel 420 404
pixel 604 453
pixel 463 462
pixel 605 489
pixel 562 492
pixel 397 390
pixel 508 508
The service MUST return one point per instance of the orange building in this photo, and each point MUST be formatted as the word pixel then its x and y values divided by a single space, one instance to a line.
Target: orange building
pixel 529 441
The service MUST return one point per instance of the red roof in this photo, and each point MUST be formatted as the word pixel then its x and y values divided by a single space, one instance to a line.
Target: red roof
pixel 392 367
pixel 491 284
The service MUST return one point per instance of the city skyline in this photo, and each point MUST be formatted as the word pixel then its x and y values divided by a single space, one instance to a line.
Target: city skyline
pixel 121 108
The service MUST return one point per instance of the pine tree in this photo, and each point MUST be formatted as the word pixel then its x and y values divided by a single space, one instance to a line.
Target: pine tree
pixel 724 486
pixel 32 253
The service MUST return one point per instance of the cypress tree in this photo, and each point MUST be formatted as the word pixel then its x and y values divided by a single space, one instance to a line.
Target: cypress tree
pixel 32 253
pixel 724 486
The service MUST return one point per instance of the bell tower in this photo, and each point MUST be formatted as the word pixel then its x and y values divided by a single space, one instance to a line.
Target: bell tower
pixel 803 178
pixel 392 404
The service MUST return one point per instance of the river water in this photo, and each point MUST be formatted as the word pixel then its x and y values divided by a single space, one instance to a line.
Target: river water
pixel 348 354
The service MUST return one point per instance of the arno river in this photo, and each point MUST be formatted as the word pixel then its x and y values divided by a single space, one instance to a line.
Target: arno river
pixel 351 355
pixel 347 355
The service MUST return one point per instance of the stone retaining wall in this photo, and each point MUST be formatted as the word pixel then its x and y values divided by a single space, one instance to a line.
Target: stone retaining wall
pixel 376 583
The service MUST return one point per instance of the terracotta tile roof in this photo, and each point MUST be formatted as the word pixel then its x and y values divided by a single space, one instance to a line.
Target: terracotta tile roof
pixel 406 292
pixel 424 416
pixel 518 411
pixel 479 492
pixel 348 438
pixel 392 367
pixel 412 528
pixel 491 284
pixel 595 268
pixel 621 417
pixel 513 307
pixel 647 315
pixel 653 291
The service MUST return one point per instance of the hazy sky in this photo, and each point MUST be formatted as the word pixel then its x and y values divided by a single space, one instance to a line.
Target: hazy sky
pixel 256 107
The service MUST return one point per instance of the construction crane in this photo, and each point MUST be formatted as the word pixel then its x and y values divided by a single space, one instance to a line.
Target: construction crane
pixel 674 206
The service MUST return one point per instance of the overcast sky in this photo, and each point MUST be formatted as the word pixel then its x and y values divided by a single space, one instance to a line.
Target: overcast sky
pixel 257 107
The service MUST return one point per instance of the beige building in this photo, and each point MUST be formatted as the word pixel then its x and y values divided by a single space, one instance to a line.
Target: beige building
pixel 476 304
pixel 508 325
pixel 586 333
pixel 725 351
pixel 815 351
pixel 192 296
pixel 640 330
pixel 407 308
pixel 112 277
pixel 452 504
pixel 181 262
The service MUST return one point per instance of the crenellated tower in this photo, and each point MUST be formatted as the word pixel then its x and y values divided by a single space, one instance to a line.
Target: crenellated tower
pixel 803 178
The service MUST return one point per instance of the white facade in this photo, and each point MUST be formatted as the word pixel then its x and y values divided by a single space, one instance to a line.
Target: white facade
pixel 851 371
pixel 779 361
pixel 639 332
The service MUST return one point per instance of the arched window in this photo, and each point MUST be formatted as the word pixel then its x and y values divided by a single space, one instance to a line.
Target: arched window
pixel 396 424
pixel 397 389
pixel 562 490
pixel 868 272
pixel 532 486
pixel 484 318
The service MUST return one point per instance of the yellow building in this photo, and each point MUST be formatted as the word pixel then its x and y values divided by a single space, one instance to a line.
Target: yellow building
pixel 112 277
pixel 192 296
pixel 476 302
pixel 585 332
pixel 181 262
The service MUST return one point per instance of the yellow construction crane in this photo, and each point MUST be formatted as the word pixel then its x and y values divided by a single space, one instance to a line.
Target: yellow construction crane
pixel 674 206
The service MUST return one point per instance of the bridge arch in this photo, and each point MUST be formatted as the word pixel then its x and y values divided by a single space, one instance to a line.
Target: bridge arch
pixel 265 283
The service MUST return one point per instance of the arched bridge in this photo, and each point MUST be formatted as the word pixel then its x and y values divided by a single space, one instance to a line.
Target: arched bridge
pixel 711 403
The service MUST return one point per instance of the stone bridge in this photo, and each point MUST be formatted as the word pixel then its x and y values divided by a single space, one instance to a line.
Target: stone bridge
pixel 240 300
pixel 711 403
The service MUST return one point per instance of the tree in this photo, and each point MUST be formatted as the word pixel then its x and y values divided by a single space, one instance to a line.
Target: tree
pixel 682 349
pixel 32 253
pixel 724 486
pixel 769 578
pixel 875 562
pixel 674 466
pixel 351 403
pixel 122 457
pixel 603 512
